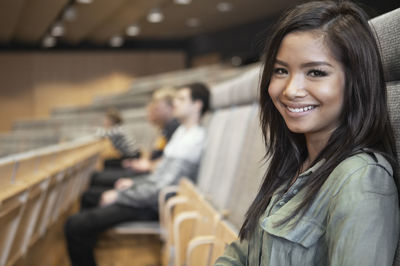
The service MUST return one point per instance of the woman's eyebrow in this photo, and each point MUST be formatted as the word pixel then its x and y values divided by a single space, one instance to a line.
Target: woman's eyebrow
pixel 316 63
pixel 308 64
pixel 280 62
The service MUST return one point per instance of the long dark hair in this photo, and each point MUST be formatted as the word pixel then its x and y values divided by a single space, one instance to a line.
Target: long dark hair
pixel 364 121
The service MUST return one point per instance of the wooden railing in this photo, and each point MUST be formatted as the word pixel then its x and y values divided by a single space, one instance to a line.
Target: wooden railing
pixel 37 187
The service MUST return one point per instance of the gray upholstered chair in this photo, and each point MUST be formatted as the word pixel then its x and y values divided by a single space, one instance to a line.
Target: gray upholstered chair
pixel 387 28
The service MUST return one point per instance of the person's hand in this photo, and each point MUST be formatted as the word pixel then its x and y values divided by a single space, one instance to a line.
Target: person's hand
pixel 108 197
pixel 123 183
pixel 142 165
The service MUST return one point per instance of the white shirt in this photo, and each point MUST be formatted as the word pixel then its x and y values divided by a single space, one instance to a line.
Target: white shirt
pixel 186 144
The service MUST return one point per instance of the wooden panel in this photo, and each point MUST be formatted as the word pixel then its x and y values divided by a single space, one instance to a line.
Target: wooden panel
pixel 36 17
pixel 10 11
pixel 121 250
pixel 16 94
pixel 27 223
pixel 6 172
pixel 75 78
pixel 32 84
pixel 224 235
pixel 10 214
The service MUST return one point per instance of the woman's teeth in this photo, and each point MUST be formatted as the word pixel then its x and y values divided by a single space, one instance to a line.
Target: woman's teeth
pixel 299 110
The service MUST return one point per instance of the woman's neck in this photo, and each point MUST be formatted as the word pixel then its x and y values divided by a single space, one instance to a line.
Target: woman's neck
pixel 315 144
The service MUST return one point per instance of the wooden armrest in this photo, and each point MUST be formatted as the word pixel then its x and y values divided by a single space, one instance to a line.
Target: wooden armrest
pixel 167 212
pixel 189 216
pixel 196 243
pixel 162 197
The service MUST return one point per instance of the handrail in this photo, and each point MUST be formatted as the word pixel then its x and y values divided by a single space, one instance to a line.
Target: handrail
pixel 49 149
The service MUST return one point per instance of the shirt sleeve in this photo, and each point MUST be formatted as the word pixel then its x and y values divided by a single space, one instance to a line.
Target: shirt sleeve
pixel 145 192
pixel 363 220
pixel 123 142
pixel 235 254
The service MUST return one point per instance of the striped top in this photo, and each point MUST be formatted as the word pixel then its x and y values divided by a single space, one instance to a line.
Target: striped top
pixel 121 140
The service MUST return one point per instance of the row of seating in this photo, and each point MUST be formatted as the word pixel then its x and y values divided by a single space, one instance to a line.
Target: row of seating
pixel 229 176
pixel 232 164
pixel 37 187
pixel 69 123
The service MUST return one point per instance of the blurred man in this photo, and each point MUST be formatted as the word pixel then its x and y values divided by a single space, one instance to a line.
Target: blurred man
pixel 160 114
pixel 137 199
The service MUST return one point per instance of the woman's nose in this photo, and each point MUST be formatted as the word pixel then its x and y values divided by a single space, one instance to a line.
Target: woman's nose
pixel 294 87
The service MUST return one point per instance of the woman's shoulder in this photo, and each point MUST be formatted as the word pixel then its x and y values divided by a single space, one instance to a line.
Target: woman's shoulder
pixel 365 159
pixel 364 172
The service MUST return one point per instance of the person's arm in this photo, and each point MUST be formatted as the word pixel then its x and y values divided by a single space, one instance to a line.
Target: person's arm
pixel 123 142
pixel 235 254
pixel 145 193
pixel 363 220
pixel 144 165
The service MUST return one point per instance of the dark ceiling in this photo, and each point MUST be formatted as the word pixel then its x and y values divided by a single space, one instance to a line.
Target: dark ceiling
pixel 198 27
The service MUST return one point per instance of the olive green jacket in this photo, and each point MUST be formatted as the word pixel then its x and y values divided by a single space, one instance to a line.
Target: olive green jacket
pixel 354 220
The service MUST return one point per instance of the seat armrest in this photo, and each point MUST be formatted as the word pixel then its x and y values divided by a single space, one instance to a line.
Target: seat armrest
pixel 194 244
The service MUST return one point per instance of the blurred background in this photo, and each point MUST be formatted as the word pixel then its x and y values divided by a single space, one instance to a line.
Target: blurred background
pixel 59 57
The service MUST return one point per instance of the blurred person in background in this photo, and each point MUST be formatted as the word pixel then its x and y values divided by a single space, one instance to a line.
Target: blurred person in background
pixel 160 114
pixel 123 142
pixel 135 200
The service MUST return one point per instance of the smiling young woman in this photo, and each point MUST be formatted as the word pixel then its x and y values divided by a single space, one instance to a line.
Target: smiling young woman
pixel 307 88
pixel 328 196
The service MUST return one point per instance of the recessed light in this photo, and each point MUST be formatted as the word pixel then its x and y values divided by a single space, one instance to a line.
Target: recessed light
pixel 236 60
pixel 70 14
pixel 49 41
pixel 193 22
pixel 155 15
pixel 133 30
pixel 116 41
pixel 224 7
pixel 182 2
pixel 85 1
pixel 58 30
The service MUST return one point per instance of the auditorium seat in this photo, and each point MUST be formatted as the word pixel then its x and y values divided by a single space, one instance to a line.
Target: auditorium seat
pixel 387 31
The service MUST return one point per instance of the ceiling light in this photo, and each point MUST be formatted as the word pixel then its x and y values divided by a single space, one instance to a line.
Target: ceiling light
pixel 69 14
pixel 84 1
pixel 49 41
pixel 133 30
pixel 116 41
pixel 58 30
pixel 155 15
pixel 224 7
pixel 182 2
pixel 236 61
pixel 193 22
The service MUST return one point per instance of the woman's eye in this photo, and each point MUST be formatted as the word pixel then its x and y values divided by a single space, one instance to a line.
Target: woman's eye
pixel 280 71
pixel 317 73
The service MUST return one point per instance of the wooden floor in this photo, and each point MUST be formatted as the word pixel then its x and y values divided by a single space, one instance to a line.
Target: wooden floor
pixel 140 250
pixel 111 250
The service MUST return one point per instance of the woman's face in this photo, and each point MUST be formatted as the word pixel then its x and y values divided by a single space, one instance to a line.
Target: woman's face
pixel 307 85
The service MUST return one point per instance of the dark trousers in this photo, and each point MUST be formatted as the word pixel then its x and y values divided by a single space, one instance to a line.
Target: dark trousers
pixel 108 177
pixel 117 163
pixel 83 228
